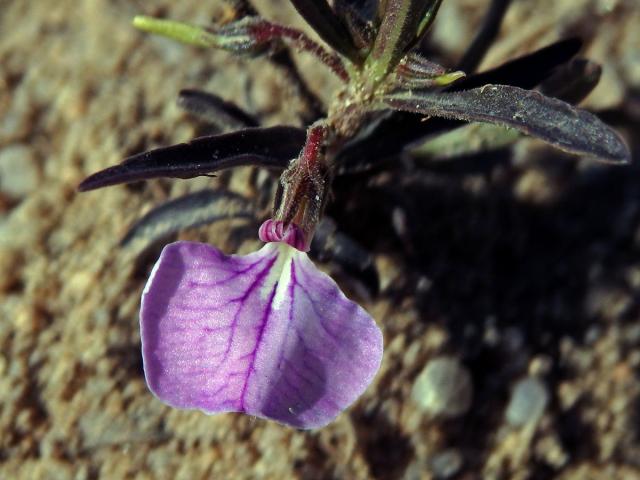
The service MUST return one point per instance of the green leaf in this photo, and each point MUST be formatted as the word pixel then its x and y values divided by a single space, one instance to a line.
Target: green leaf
pixel 427 20
pixel 235 37
pixel 466 140
pixel 250 35
pixel 402 22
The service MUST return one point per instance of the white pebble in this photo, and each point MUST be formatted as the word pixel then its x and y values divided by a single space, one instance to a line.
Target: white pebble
pixel 443 388
pixel 528 402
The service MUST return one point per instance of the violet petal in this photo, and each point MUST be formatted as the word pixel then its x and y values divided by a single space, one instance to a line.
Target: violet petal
pixel 266 334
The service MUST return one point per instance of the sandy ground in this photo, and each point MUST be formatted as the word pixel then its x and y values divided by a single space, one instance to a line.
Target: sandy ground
pixel 523 266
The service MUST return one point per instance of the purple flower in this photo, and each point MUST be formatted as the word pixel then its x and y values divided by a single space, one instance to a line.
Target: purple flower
pixel 267 334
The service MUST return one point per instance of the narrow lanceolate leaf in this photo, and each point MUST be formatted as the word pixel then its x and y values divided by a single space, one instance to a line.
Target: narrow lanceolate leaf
pixel 365 9
pixel 221 113
pixel 400 24
pixel 361 29
pixel 427 20
pixel 415 73
pixel 485 36
pixel 250 35
pixel 468 139
pixel 570 82
pixel 266 334
pixel 328 25
pixel 554 121
pixel 264 147
pixel 414 65
pixel 573 81
pixel 397 129
pixel 195 209
pixel 526 71
pixel 330 245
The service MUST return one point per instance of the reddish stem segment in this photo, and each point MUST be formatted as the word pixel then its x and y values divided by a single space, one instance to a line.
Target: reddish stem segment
pixel 304 185
pixel 311 151
pixel 264 32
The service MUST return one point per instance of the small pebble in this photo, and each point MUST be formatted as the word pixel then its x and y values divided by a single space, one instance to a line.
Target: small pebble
pixel 446 464
pixel 18 171
pixel 443 388
pixel 528 402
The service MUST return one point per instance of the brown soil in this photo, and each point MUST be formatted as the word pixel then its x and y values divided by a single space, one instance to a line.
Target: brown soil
pixel 524 263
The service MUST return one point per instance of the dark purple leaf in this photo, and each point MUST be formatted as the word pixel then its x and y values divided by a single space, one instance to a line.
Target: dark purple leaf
pixel 195 209
pixel 223 114
pixel 330 245
pixel 395 130
pixel 328 25
pixel 366 9
pixel 485 37
pixel 384 138
pixel 263 147
pixel 554 121
pixel 361 30
pixel 573 81
pixel 526 71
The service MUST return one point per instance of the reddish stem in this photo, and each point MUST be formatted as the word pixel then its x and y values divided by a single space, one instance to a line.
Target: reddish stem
pixel 305 185
pixel 311 150
pixel 264 32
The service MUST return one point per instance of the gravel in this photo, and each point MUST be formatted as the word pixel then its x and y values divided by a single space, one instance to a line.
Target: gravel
pixel 443 388
pixel 528 402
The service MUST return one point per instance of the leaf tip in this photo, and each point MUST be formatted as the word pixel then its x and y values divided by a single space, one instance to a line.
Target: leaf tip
pixel 150 24
pixel 87 184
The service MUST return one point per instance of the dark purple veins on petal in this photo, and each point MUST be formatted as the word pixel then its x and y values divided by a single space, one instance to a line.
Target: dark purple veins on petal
pixel 266 334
